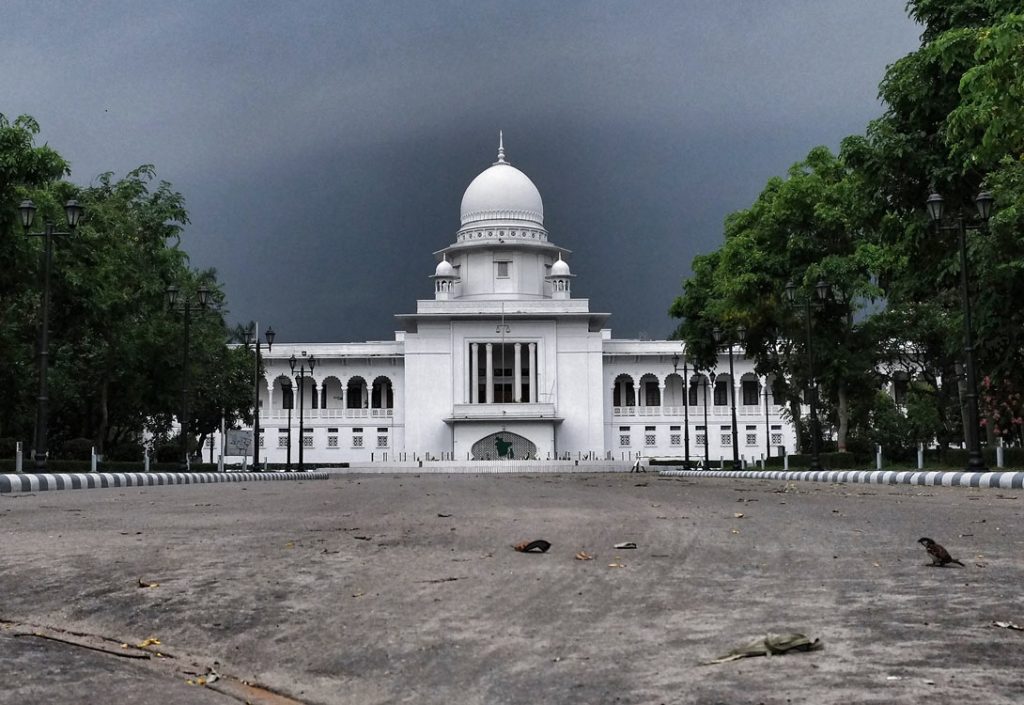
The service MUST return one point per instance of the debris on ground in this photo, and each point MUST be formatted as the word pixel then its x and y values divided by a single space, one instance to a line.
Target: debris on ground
pixel 737 515
pixel 1008 625
pixel 770 645
pixel 443 515
pixel 536 545
pixel 584 556
pixel 625 545
pixel 147 584
pixel 151 641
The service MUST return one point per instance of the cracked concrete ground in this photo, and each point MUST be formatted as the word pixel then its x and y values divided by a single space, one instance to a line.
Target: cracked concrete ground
pixel 364 590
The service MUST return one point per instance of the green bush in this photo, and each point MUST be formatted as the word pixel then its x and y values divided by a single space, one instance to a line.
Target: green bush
pixel 8 447
pixel 75 449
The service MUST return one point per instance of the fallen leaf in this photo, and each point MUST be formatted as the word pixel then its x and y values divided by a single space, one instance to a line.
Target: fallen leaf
pixel 625 545
pixel 738 515
pixel 148 642
pixel 735 531
pixel 616 565
pixel 535 545
pixel 290 544
pixel 443 516
pixel 358 594
pixel 145 584
pixel 584 556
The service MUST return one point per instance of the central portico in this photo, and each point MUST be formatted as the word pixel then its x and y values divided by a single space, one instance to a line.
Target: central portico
pixel 502 347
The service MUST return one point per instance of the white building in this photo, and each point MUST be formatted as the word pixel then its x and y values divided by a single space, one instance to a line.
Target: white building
pixel 504 360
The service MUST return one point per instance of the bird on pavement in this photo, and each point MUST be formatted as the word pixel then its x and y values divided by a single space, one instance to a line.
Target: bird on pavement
pixel 940 556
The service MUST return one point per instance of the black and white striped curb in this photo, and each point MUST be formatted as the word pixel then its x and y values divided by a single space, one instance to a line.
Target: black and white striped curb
pixel 1002 480
pixel 37 482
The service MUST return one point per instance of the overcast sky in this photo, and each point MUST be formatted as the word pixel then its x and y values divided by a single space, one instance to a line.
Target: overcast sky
pixel 323 147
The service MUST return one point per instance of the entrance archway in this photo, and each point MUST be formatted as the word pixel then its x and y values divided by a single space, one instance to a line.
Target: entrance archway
pixel 504 445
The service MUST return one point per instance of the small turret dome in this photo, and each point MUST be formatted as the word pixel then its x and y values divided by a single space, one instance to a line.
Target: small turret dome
pixel 444 269
pixel 560 268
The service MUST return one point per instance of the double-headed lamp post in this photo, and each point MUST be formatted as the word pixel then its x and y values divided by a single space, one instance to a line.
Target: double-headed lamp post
pixel 252 337
pixel 73 213
pixel 686 407
pixel 983 202
pixel 293 362
pixel 720 337
pixel 821 290
pixel 184 305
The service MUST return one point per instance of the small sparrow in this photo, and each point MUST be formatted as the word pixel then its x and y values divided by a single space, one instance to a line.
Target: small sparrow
pixel 940 556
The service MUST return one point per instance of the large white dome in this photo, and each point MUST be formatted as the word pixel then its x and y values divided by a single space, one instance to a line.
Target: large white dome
pixel 502 192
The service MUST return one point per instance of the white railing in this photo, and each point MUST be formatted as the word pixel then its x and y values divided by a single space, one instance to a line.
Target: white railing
pixel 624 411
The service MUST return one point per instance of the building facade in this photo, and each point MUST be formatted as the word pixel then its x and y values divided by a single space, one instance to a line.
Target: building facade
pixel 503 362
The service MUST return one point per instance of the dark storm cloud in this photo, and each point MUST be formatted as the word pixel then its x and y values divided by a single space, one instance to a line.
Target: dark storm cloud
pixel 323 148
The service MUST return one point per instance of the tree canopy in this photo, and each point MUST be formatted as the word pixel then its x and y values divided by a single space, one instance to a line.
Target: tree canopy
pixel 115 348
pixel 954 122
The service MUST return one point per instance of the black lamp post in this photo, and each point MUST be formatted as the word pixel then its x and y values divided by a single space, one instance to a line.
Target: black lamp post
pixel 705 382
pixel 821 290
pixel 983 202
pixel 184 305
pixel 741 334
pixel 288 401
pixel 686 407
pixel 73 214
pixel 302 388
pixel 252 337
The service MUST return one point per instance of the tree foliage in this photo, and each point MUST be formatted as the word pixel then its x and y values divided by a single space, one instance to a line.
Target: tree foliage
pixel 115 348
pixel 954 122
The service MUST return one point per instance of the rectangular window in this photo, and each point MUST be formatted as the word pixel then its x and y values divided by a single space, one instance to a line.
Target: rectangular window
pixel 674 437
pixel 751 435
pixel 624 436
pixel 776 435
pixel 650 436
pixel 502 269
pixel 282 438
pixel 332 438
pixel 750 392
pixel 721 393
pixel 700 437
pixel 726 432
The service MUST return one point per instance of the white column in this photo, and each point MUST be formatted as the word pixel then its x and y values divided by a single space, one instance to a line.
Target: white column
pixel 532 377
pixel 268 403
pixel 517 375
pixel 661 394
pixel 490 373
pixel 636 396
pixel 474 373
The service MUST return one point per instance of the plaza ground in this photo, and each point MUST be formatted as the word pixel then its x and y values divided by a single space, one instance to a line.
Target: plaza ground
pixel 381 589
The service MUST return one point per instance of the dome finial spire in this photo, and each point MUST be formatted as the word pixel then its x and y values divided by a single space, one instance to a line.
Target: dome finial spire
pixel 501 149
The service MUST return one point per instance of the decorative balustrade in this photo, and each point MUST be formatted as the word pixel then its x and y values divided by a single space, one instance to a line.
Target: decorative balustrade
pixel 278 414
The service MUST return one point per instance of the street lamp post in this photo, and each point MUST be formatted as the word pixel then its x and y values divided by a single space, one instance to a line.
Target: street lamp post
pixel 184 305
pixel 741 334
pixel 302 388
pixel 252 337
pixel 705 381
pixel 73 214
pixel 288 400
pixel 686 407
pixel 821 289
pixel 983 202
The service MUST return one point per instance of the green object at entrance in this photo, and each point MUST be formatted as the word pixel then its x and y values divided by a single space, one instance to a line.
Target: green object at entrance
pixel 503 447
